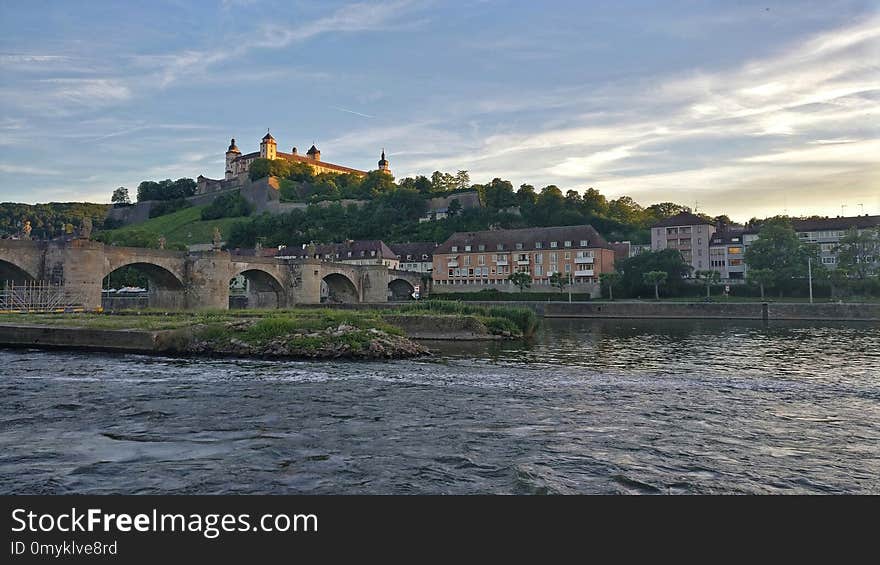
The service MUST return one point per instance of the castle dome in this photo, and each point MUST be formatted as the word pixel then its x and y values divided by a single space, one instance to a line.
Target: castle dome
pixel 232 147
pixel 313 150
pixel 383 162
pixel 268 137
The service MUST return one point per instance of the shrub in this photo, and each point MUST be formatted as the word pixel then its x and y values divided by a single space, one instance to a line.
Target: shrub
pixel 232 205
pixel 164 207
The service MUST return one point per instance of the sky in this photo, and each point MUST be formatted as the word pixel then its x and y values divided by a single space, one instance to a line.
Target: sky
pixel 742 108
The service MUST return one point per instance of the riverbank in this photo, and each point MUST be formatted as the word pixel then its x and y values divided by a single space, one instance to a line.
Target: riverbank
pixel 308 333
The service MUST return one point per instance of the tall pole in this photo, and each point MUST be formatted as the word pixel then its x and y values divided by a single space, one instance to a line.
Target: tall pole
pixel 810 276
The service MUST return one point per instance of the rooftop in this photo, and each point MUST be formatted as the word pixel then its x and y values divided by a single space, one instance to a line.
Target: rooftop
pixel 528 237
pixel 683 219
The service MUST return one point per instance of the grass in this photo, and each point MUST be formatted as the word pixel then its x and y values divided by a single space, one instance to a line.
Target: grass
pixel 181 228
pixel 499 319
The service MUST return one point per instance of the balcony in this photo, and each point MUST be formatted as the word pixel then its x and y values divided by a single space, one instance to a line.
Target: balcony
pixel 452 263
pixel 524 262
pixel 584 260
pixel 585 273
pixel 502 263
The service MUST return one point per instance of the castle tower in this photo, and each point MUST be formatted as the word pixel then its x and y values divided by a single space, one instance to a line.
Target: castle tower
pixel 314 153
pixel 384 166
pixel 268 147
pixel 231 155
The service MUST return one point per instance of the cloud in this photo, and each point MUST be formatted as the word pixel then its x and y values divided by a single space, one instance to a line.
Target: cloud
pixel 806 116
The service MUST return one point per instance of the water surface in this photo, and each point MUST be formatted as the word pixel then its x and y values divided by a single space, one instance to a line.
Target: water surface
pixel 592 406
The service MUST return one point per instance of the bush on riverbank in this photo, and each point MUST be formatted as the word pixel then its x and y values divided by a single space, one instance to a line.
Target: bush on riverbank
pixel 498 319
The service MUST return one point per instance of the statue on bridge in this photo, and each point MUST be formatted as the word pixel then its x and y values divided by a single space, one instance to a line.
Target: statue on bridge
pixel 26 230
pixel 86 230
pixel 162 242
pixel 216 239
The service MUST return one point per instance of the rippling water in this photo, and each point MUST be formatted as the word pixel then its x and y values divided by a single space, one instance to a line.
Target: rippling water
pixel 602 406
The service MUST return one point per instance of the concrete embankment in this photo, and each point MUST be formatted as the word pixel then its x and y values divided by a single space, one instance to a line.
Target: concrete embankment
pixel 866 312
pixel 143 341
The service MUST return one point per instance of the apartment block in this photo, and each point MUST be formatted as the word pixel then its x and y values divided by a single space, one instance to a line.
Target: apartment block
pixel 487 258
pixel 727 255
pixel 687 233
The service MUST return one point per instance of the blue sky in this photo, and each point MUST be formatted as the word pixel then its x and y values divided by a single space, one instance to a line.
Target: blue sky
pixel 746 108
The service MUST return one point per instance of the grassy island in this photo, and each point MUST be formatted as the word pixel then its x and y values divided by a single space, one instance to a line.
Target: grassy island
pixel 308 332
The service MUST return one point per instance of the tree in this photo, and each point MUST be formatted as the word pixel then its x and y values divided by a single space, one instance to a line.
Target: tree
pixel 608 281
pixel 521 280
pixel 709 278
pixel 498 194
pixel 656 278
pixel 454 207
pixel 120 197
pixel 462 180
pixel 760 277
pixel 560 280
pixel 632 271
pixel 857 252
pixel 779 249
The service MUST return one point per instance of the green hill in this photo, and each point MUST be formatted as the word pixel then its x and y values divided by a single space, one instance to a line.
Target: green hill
pixel 181 228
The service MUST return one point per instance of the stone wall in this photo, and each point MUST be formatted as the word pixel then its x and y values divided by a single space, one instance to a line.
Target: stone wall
pixel 702 310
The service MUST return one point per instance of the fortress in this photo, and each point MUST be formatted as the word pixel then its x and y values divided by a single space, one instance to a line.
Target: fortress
pixel 238 165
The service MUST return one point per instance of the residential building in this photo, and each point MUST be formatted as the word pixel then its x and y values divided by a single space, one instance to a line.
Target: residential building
pixel 417 256
pixel 438 208
pixel 478 259
pixel 360 252
pixel 825 233
pixel 727 255
pixel 687 233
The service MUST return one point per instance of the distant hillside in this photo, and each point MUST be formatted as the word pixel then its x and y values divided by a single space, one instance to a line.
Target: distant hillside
pixel 50 219
pixel 180 229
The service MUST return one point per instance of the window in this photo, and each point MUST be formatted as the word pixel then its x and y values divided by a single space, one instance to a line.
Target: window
pixel 481 247
pixel 455 249
pixel 539 270
pixel 519 245
pixel 450 272
pixel 500 247
pixel 553 257
pixel 481 260
pixel 584 243
pixel 568 267
pixel 467 259
pixel 734 250
pixel 424 257
pixel 537 245
pixel 567 244
pixel 457 272
pixel 539 258
pixel 467 248
pixel 372 253
pixel 349 253
pixel 553 269
pixel 522 257
pixel 568 255
pixel 554 244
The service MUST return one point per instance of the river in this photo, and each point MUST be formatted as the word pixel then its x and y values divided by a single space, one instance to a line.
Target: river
pixel 591 406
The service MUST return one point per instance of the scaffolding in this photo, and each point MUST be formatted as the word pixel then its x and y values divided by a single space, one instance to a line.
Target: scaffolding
pixel 38 297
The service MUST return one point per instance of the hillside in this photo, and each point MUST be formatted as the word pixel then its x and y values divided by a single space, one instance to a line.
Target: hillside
pixel 181 228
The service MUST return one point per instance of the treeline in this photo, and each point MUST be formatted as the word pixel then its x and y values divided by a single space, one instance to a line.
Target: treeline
pixel 53 219
pixel 393 208
pixel 165 189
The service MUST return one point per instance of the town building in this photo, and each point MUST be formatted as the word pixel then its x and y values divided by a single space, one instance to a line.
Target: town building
pixel 825 233
pixel 360 252
pixel 487 258
pixel 417 257
pixel 439 207
pixel 687 233
pixel 727 255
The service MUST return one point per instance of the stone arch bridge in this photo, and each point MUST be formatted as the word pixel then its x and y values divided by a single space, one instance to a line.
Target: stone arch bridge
pixel 199 280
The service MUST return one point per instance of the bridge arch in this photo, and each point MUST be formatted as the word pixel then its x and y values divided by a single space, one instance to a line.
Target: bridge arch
pixel 10 273
pixel 164 289
pixel 338 288
pixel 261 289
pixel 400 289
